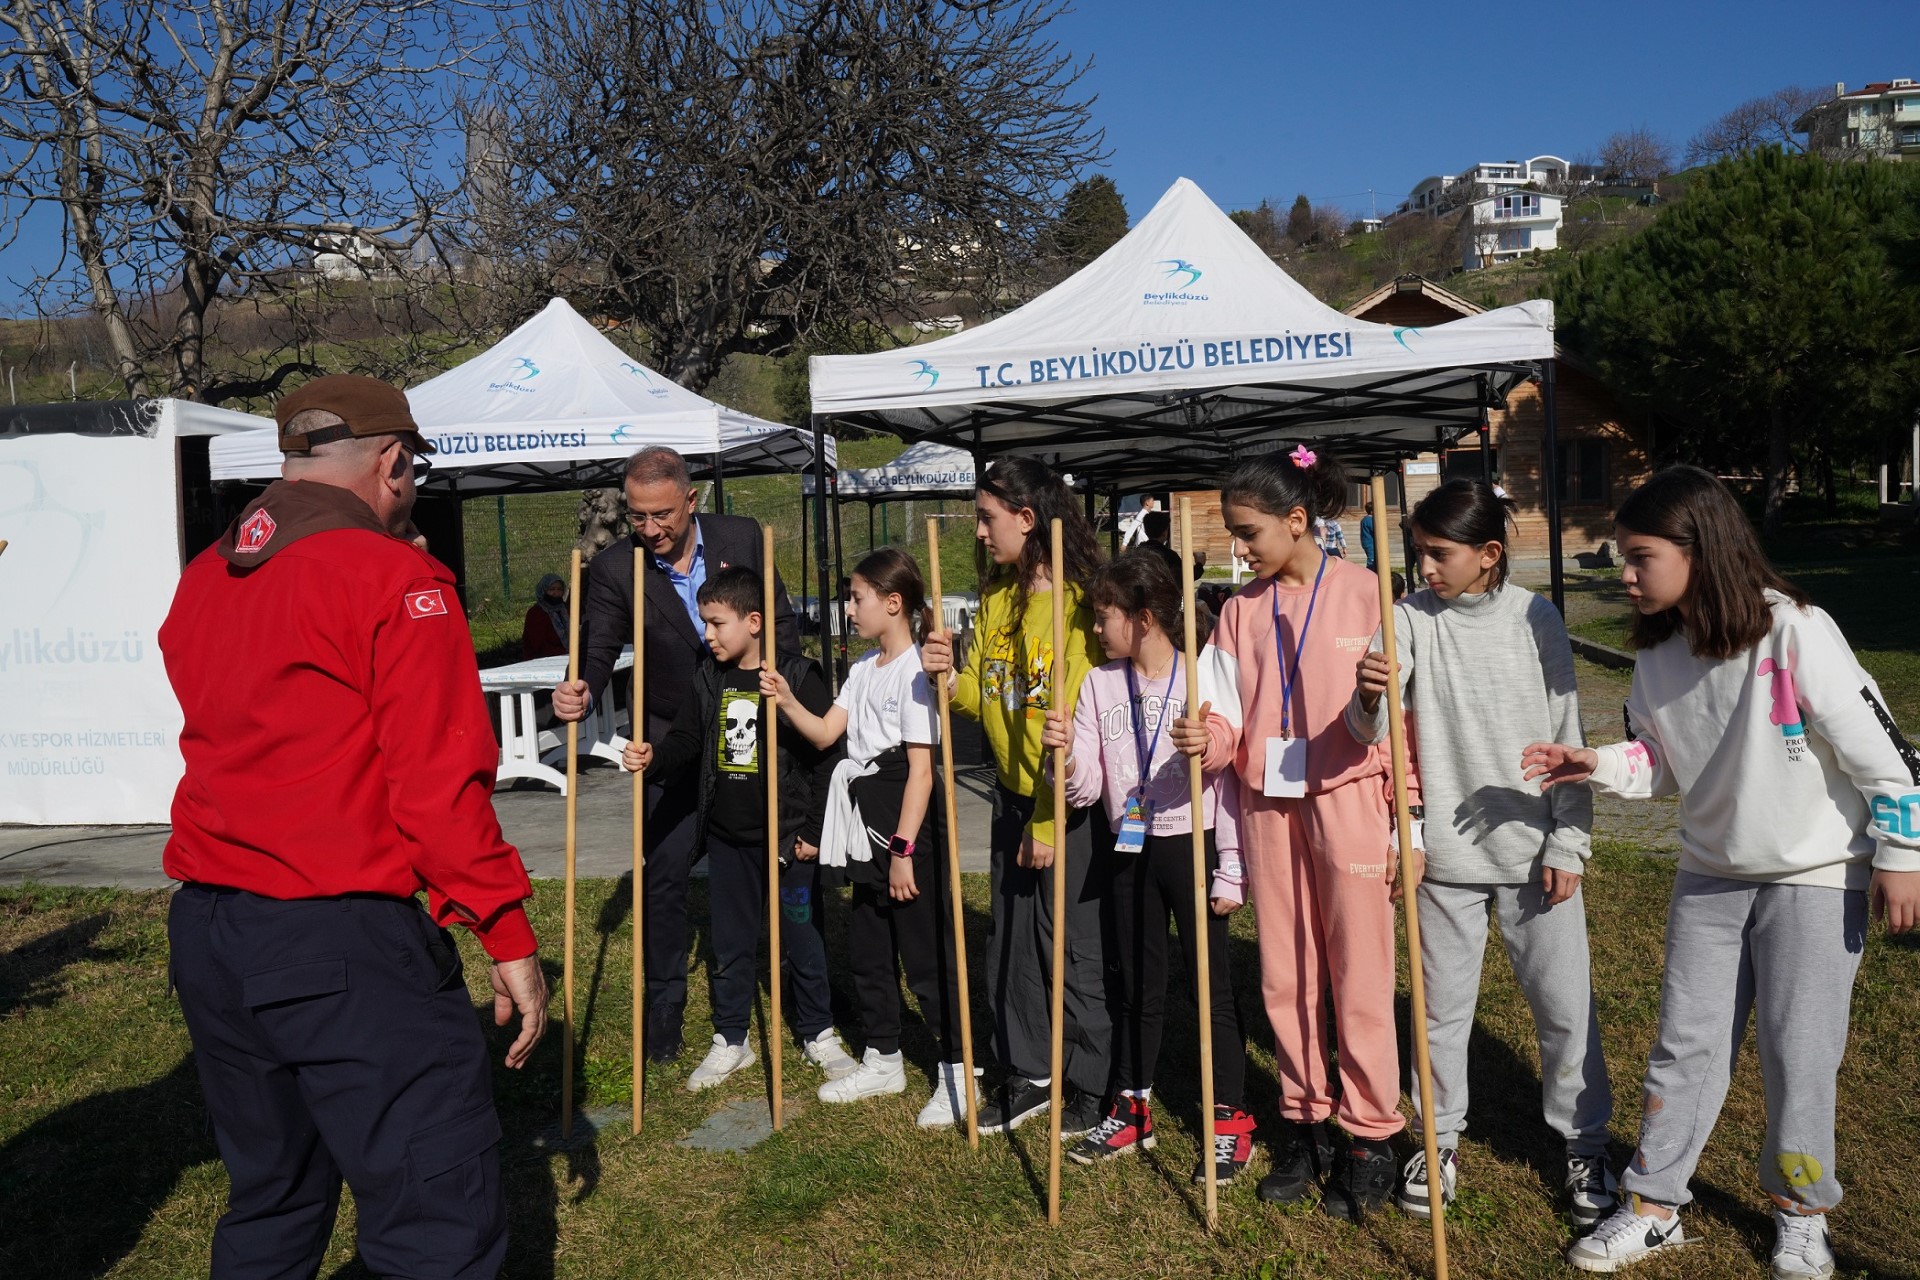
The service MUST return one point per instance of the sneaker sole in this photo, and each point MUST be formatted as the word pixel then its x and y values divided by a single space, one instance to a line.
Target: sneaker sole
pixel 1147 1143
pixel 701 1086
pixel 1014 1122
pixel 1418 1206
pixel 1608 1265
pixel 863 1095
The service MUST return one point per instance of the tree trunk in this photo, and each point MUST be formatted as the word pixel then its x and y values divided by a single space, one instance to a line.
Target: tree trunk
pixel 1779 459
pixel 1829 498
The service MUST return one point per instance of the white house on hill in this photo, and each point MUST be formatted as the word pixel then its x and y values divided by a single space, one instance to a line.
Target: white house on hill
pixel 1446 191
pixel 1507 224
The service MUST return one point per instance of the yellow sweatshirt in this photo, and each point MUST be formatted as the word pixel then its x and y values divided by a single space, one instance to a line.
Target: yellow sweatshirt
pixel 1007 685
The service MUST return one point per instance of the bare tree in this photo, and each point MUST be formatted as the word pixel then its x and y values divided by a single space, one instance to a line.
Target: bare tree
pixel 1765 121
pixel 1635 155
pixel 201 153
pixel 738 173
pixel 1412 244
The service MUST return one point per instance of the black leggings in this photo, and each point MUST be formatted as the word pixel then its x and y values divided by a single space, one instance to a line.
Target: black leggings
pixel 1148 888
pixel 919 934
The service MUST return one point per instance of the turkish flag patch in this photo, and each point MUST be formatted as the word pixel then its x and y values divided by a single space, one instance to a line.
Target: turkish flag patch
pixel 426 604
pixel 254 532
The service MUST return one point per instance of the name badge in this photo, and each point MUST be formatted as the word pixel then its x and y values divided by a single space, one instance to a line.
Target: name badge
pixel 1286 768
pixel 1135 818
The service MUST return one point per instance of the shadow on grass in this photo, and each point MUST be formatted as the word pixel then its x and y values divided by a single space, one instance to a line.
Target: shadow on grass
pixel 27 971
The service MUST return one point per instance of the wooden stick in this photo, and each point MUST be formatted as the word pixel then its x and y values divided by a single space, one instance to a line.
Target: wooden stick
pixel 637 713
pixel 1057 569
pixel 1197 947
pixel 770 770
pixel 3 546
pixel 573 815
pixel 1403 820
pixel 964 1014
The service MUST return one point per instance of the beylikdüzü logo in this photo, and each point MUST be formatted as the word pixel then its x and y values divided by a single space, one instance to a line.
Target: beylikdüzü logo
pixel 1183 275
pixel 925 369
pixel 1400 335
pixel 654 389
pixel 522 372
pixel 1786 701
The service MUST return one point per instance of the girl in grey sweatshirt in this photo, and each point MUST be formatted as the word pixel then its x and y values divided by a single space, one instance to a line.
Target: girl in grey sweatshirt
pixel 1485 669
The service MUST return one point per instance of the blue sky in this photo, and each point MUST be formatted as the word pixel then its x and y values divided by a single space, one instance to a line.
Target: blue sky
pixel 1260 99
pixel 1265 99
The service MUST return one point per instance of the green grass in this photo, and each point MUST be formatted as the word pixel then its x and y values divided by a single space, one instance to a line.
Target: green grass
pixel 106 1165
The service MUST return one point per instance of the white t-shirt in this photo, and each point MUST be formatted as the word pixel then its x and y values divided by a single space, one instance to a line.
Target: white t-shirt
pixel 887 705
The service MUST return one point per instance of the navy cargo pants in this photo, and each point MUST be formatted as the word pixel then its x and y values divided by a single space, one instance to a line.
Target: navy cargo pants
pixel 334 1037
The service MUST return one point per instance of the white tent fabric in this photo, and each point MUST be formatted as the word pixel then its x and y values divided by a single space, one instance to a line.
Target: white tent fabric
pixel 1181 343
pixel 921 471
pixel 554 404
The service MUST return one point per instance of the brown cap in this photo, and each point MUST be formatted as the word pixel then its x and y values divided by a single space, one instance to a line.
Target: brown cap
pixel 365 406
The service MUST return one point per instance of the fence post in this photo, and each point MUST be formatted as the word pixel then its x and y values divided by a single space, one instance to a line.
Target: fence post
pixel 506 574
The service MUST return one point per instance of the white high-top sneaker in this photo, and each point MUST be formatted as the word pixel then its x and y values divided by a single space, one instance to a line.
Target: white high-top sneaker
pixel 877 1073
pixel 1801 1247
pixel 948 1105
pixel 826 1052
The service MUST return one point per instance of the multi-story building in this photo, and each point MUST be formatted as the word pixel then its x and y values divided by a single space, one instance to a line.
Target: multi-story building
pixel 1507 224
pixel 1450 190
pixel 1880 119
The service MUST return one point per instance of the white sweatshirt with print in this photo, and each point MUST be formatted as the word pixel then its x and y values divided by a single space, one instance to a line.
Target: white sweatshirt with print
pixel 1788 767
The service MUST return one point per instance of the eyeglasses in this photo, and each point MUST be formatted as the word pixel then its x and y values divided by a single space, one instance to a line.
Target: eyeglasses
pixel 661 518
pixel 420 464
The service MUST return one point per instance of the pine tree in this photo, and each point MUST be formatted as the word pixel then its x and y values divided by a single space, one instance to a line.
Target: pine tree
pixel 1300 220
pixel 1091 219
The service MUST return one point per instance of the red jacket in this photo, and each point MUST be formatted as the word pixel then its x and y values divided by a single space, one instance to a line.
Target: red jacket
pixel 336 739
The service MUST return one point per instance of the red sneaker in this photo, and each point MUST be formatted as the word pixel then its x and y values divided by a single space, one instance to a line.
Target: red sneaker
pixel 1128 1127
pixel 1232 1145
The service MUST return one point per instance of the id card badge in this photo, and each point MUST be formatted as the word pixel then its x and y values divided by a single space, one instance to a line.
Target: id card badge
pixel 1134 819
pixel 1286 768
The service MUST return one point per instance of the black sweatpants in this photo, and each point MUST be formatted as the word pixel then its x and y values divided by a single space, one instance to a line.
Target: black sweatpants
pixel 1152 895
pixel 672 849
pixel 737 905
pixel 334 1038
pixel 919 934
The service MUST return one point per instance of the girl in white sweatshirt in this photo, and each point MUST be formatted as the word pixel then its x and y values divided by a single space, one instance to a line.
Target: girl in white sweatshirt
pixel 1799 800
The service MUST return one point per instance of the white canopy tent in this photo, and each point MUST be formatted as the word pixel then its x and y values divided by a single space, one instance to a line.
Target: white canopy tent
pixel 1181 350
pixel 556 405
pixel 923 470
pixel 95 503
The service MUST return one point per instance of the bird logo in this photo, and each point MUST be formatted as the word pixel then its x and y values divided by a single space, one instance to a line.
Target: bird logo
pixel 620 432
pixel 1181 267
pixel 637 372
pixel 1400 335
pixel 925 369
pixel 525 368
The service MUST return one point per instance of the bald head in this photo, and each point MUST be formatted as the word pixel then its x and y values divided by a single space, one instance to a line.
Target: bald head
pixel 377 469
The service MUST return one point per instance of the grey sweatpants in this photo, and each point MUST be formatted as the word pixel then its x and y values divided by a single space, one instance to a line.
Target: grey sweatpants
pixel 1789 954
pixel 1547 947
pixel 1020 955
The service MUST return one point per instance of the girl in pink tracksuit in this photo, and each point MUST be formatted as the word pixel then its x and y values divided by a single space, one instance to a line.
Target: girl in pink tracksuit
pixel 1314 824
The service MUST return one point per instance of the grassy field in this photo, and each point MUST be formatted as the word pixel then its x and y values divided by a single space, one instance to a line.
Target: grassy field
pixel 107 1166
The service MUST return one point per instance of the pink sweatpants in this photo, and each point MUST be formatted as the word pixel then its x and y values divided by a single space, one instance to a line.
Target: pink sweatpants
pixel 1316 871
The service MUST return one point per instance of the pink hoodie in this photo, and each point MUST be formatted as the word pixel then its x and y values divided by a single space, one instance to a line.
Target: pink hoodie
pixel 1106 764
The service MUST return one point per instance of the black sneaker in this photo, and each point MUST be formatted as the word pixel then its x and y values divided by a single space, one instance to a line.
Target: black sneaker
pixel 1364 1182
pixel 1232 1145
pixel 1128 1127
pixel 1080 1113
pixel 1014 1103
pixel 1304 1154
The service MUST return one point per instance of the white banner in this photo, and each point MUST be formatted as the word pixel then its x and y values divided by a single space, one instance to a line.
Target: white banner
pixel 89 729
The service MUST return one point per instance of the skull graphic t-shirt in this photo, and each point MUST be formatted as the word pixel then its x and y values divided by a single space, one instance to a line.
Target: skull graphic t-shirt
pixel 739 813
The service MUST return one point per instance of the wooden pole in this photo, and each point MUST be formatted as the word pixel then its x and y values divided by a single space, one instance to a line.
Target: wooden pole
pixel 1403 821
pixel 1197 946
pixel 1057 1061
pixel 770 770
pixel 573 815
pixel 964 1014
pixel 637 713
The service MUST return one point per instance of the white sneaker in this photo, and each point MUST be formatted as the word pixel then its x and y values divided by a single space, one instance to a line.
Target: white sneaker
pixel 1625 1238
pixel 1801 1248
pixel 721 1061
pixel 827 1053
pixel 1412 1196
pixel 878 1073
pixel 1592 1190
pixel 948 1105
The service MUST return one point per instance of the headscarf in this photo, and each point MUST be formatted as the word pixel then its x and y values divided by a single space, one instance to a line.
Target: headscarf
pixel 556 613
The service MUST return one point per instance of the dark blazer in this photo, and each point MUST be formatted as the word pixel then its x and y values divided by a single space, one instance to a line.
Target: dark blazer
pixel 675 650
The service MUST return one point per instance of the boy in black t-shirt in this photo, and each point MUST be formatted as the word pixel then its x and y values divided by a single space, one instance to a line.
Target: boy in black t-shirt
pixel 722 731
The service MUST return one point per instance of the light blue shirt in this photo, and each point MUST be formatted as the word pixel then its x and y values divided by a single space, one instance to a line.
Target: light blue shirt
pixel 688 584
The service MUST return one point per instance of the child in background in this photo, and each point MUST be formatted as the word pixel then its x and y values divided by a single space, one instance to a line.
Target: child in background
pixel 721 734
pixel 1486 669
pixel 1314 825
pixel 1008 686
pixel 880 826
pixel 1797 803
pixel 1119 754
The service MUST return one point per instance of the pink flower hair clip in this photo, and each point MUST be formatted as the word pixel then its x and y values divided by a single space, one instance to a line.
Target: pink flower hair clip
pixel 1303 457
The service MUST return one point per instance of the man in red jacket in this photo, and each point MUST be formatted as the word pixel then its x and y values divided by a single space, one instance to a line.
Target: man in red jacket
pixel 339 760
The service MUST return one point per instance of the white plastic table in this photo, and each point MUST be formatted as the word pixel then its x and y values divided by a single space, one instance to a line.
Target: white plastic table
pixel 526 751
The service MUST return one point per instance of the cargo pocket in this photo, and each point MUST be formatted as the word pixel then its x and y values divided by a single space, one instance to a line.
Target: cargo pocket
pixel 456 1173
pixel 290 982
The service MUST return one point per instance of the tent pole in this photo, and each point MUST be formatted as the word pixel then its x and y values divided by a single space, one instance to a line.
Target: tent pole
pixel 820 544
pixel 506 575
pixel 1486 435
pixel 1550 478
pixel 870 507
pixel 719 485
pixel 839 576
pixel 803 566
pixel 1113 525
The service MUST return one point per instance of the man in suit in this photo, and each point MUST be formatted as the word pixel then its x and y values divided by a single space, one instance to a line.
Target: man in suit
pixel 682 547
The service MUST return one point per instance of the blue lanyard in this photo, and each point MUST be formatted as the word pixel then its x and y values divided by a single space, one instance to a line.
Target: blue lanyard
pixel 1288 681
pixel 1137 713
